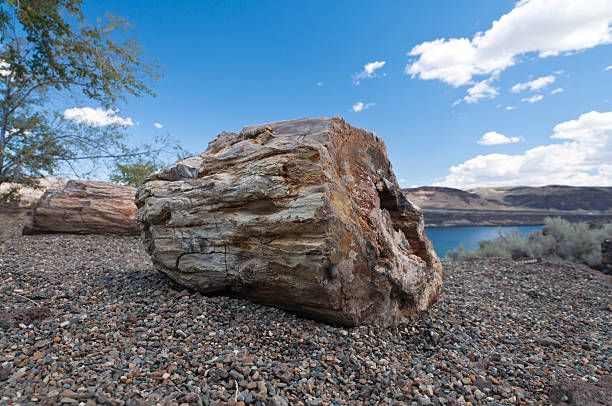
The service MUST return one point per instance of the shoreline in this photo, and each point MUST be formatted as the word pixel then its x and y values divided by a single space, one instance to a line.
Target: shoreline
pixel 435 217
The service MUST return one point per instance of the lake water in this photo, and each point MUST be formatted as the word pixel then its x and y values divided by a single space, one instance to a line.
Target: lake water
pixel 448 238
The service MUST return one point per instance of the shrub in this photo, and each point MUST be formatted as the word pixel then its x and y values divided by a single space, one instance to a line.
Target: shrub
pixel 493 248
pixel 559 238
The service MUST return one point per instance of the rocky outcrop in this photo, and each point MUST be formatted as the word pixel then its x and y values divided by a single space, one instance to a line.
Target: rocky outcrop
pixel 511 206
pixel 85 207
pixel 304 215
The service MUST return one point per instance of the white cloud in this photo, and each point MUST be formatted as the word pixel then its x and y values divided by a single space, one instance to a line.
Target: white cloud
pixel 532 99
pixel 96 117
pixel 319 84
pixel 557 90
pixel 510 107
pixel 584 158
pixel 4 71
pixel 369 71
pixel 495 138
pixel 360 106
pixel 157 125
pixel 481 90
pixel 534 85
pixel 545 27
pixel 609 67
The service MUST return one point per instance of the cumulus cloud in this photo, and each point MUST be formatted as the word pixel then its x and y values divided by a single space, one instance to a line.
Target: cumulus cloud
pixel 532 99
pixel 369 71
pixel 583 158
pixel 544 27
pixel 4 69
pixel 495 138
pixel 96 117
pixel 319 84
pixel 360 106
pixel 557 90
pixel 157 125
pixel 510 107
pixel 609 67
pixel 481 90
pixel 534 85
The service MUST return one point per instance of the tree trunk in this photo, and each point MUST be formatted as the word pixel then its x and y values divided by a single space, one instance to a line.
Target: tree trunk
pixel 85 207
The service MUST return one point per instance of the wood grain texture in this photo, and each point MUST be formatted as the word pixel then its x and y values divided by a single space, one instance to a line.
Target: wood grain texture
pixel 304 215
pixel 85 207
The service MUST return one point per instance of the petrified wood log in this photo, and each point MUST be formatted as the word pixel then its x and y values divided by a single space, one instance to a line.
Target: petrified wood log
pixel 85 207
pixel 304 215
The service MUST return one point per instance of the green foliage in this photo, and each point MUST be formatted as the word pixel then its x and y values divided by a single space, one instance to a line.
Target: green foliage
pixel 134 168
pixel 12 195
pixel 494 248
pixel 133 174
pixel 49 49
pixel 559 239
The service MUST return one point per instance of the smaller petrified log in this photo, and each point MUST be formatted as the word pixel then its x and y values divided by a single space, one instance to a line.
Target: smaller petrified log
pixel 85 207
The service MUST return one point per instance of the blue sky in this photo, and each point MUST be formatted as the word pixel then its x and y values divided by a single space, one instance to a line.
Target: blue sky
pixel 234 63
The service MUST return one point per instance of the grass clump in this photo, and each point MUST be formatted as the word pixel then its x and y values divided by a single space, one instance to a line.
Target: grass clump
pixel 558 239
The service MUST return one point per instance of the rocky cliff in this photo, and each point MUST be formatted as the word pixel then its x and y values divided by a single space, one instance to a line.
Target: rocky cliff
pixel 523 205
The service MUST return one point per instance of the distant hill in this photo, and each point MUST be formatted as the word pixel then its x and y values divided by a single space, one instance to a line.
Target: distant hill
pixel 522 205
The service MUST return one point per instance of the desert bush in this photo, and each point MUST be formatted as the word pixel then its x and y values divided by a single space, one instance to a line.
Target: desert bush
pixel 493 248
pixel 559 238
pixel 515 243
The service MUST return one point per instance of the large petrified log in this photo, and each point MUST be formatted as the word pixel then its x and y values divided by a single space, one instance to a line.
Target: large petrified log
pixel 304 215
pixel 85 207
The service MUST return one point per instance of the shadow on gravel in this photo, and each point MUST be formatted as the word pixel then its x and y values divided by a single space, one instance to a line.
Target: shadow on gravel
pixel 25 316
pixel 582 393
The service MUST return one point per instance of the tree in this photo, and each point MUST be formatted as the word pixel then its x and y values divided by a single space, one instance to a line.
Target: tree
pixel 133 174
pixel 134 169
pixel 48 48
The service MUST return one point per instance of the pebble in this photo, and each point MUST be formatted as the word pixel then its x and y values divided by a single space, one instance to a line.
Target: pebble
pixel 118 332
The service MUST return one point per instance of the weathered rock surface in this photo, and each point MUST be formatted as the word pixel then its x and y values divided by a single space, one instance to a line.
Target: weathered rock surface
pixel 85 207
pixel 304 215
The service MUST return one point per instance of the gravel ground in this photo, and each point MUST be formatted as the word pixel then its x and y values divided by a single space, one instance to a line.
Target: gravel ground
pixel 110 330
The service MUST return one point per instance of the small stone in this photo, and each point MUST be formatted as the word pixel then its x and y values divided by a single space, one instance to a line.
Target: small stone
pixel 278 401
pixel 37 355
pixel 6 324
pixel 5 372
pixel 68 401
pixel 283 371
pixel 261 387
pixel 191 398
pixel 53 393
pixel 424 400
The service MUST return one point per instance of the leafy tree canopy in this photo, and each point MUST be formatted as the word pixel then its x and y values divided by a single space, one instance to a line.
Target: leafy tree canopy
pixel 47 47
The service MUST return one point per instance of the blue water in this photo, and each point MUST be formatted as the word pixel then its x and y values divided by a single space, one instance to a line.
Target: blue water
pixel 448 238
